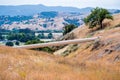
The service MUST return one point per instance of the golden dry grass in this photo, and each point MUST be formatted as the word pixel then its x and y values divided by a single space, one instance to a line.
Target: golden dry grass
pixel 18 64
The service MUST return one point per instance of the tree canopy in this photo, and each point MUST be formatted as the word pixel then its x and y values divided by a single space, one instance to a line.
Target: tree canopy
pixel 96 17
pixel 9 44
pixel 50 35
pixel 68 28
pixel 1 37
pixel 22 37
pixel 17 43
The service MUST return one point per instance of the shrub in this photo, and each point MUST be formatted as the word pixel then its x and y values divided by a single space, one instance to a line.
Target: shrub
pixel 9 44
pixel 17 43
pixel 33 41
pixel 68 28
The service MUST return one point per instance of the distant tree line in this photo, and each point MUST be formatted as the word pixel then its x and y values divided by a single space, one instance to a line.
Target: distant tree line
pixel 42 36
pixel 22 37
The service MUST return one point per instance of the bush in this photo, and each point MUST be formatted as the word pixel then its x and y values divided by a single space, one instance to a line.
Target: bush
pixel 9 44
pixel 1 37
pixel 68 28
pixel 47 49
pixel 50 36
pixel 41 36
pixel 34 42
pixel 17 43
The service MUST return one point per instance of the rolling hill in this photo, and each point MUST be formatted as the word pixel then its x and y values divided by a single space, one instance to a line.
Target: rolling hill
pixel 108 43
pixel 99 60
pixel 50 20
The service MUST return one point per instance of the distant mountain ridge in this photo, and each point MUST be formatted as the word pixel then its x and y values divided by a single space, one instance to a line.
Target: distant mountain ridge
pixel 34 9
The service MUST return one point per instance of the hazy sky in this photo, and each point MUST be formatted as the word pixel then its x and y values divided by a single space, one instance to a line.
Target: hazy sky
pixel 115 4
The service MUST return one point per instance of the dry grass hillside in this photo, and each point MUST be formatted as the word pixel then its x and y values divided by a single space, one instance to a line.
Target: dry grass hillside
pixel 99 60
pixel 107 48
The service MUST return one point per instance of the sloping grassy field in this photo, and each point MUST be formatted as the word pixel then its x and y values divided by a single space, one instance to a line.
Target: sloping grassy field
pixel 91 61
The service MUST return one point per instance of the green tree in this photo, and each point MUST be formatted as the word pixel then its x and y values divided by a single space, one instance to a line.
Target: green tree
pixel 1 37
pixel 68 28
pixel 97 17
pixel 17 43
pixel 9 44
pixel 22 37
pixel 41 35
pixel 50 35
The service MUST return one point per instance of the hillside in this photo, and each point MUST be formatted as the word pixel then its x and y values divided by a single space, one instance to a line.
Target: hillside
pixel 109 38
pixel 99 60
pixel 103 51
pixel 31 65
pixel 41 21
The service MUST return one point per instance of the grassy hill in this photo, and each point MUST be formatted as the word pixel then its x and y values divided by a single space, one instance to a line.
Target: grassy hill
pixel 99 60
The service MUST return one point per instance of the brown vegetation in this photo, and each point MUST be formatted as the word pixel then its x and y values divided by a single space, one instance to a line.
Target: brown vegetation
pixel 18 64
